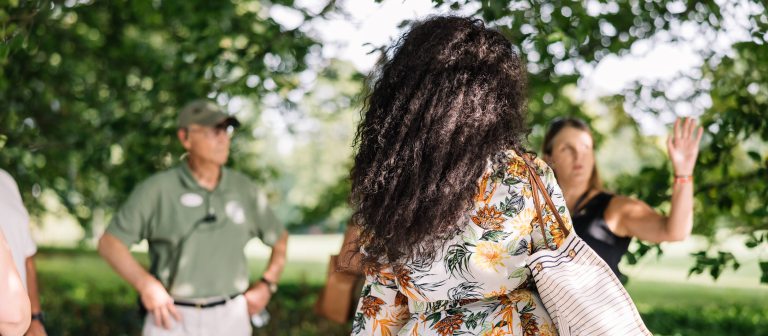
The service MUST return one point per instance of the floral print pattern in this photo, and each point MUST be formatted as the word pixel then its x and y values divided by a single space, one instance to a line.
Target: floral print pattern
pixel 478 284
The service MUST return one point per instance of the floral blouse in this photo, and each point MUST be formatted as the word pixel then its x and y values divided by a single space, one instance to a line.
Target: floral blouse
pixel 478 284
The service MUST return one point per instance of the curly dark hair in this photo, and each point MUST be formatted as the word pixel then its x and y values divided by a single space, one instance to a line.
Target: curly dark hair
pixel 451 95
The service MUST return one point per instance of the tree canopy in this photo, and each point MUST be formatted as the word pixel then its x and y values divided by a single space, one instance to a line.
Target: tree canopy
pixel 90 91
pixel 563 40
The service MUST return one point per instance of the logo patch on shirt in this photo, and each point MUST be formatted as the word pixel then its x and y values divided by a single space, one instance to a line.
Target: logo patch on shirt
pixel 191 200
pixel 235 212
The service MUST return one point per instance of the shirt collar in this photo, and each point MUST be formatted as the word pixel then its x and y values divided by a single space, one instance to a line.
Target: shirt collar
pixel 189 181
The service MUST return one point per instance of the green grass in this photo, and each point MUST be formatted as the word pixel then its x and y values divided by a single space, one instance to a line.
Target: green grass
pixel 83 296
pixel 650 295
pixel 313 273
pixel 692 309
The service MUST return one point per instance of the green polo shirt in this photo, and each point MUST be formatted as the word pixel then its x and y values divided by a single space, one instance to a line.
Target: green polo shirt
pixel 171 204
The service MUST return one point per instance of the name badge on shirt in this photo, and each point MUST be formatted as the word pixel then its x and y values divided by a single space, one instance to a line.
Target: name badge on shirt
pixel 191 200
pixel 235 212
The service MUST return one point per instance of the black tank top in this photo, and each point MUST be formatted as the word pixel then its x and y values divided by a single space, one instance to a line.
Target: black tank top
pixel 590 225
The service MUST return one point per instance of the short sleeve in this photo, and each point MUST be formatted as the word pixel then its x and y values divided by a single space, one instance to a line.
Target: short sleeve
pixel 131 222
pixel 264 223
pixel 19 216
pixel 382 309
pixel 29 248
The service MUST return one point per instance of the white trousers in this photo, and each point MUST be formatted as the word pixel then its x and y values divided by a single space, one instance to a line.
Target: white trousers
pixel 230 318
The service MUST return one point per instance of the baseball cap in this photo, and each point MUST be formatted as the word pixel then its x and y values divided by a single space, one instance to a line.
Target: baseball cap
pixel 206 113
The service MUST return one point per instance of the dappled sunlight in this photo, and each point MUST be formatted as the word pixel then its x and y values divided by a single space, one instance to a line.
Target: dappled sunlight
pixel 91 92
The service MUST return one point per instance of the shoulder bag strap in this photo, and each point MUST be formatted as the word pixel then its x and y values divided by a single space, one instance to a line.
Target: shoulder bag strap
pixel 538 186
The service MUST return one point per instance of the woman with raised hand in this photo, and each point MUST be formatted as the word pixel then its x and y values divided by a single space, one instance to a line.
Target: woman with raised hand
pixel 441 191
pixel 607 222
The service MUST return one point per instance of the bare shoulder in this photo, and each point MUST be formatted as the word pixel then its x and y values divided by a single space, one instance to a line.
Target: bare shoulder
pixel 621 206
pixel 618 209
pixel 620 212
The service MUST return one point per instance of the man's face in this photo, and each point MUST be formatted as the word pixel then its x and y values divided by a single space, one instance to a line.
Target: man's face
pixel 207 143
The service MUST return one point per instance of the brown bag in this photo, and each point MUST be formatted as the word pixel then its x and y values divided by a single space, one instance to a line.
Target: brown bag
pixel 340 294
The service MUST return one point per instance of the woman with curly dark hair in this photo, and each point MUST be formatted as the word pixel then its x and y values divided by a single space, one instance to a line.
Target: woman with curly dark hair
pixel 441 192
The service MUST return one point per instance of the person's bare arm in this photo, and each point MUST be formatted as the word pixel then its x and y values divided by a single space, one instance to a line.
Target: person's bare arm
pixel 629 217
pixel 15 309
pixel 349 260
pixel 36 327
pixel 635 218
pixel 258 295
pixel 277 259
pixel 153 295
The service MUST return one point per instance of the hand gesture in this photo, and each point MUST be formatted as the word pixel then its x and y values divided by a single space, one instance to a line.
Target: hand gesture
pixel 683 146
pixel 159 303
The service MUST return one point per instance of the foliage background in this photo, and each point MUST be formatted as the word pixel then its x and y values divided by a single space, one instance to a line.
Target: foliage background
pixel 89 91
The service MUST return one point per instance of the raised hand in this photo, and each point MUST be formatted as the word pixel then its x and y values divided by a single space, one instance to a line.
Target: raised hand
pixel 683 146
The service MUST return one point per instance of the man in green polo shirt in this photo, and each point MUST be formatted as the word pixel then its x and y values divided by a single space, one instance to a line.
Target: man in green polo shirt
pixel 197 219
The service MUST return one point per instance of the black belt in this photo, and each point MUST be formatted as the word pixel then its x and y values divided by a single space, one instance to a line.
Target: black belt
pixel 205 304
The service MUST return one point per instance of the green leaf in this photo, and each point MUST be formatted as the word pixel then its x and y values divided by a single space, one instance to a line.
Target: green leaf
pixel 555 37
pixel 358 323
pixel 494 235
pixel 755 156
pixel 457 259
pixel 764 271
pixel 518 273
pixel 715 271
pixel 434 317
pixel 470 237
pixel 522 248
pixel 474 319
pixel 454 311
pixel 631 259
pixel 378 288
pixel 753 241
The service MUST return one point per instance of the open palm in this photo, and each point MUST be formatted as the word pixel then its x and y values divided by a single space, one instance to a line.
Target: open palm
pixel 683 146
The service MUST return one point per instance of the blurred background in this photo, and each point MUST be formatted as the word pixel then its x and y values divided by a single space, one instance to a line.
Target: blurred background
pixel 89 92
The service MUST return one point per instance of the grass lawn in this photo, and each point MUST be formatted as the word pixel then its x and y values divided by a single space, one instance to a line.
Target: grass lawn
pixel 692 309
pixel 83 296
